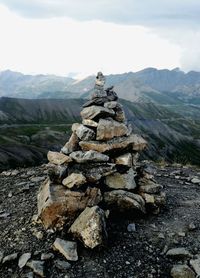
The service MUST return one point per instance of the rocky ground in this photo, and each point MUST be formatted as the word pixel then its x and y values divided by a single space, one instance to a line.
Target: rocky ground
pixel 142 250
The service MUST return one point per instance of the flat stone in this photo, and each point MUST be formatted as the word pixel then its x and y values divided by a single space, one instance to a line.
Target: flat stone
pixel 122 181
pixel 37 267
pixel 57 173
pixel 93 171
pixel 72 145
pixel 90 227
pixel 62 265
pixel 75 126
pixel 23 259
pixel 124 159
pixel 58 205
pixel 124 200
pixel 9 258
pixel 182 271
pixel 196 265
pixel 131 228
pixel 150 188
pixel 178 253
pixel 58 158
pixel 85 133
pixel 89 156
pixel 111 95
pixel 95 111
pixel 67 248
pixel 90 123
pixel 119 113
pixel 134 142
pixel 96 101
pixel 74 180
pixel 108 129
pixel 37 179
pixel 110 104
pixel 195 180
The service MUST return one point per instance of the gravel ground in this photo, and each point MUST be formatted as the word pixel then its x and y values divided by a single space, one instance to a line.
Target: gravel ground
pixel 141 253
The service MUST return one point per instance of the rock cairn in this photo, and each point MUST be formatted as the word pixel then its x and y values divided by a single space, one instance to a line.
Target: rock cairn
pixel 97 173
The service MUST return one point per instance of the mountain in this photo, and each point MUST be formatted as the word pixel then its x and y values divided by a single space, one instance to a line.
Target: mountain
pixel 35 126
pixel 148 85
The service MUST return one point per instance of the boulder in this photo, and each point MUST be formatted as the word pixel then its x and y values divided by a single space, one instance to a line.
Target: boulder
pixel 124 159
pixel 58 158
pixel 95 111
pixel 122 181
pixel 134 142
pixel 67 248
pixel 124 201
pixel 90 123
pixel 182 271
pixel 85 133
pixel 90 227
pixel 72 145
pixel 93 171
pixel 108 129
pixel 110 104
pixel 89 156
pixel 56 204
pixel 74 180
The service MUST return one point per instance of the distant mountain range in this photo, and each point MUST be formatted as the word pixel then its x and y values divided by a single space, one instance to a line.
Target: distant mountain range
pixel 148 85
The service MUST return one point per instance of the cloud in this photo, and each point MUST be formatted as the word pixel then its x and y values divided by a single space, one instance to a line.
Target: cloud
pixel 137 12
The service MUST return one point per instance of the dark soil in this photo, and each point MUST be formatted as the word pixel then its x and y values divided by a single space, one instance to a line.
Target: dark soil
pixel 127 254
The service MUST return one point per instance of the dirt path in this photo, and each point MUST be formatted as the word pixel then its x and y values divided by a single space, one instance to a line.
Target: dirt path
pixel 128 254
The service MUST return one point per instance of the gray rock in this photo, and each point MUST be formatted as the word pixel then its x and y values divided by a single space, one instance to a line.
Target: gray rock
pixel 196 266
pixel 85 133
pixel 10 257
pixel 179 253
pixel 37 179
pixel 182 271
pixel 111 95
pixel 195 180
pixel 37 267
pixel 75 126
pixel 95 111
pixel 90 227
pixel 110 104
pixel 124 159
pixel 96 101
pixel 150 188
pixel 29 275
pixel 72 145
pixel 93 171
pixel 122 181
pixel 89 156
pixel 62 265
pixel 23 259
pixel 131 227
pixel 47 256
pixel 1 256
pixel 124 201
pixel 108 129
pixel 67 248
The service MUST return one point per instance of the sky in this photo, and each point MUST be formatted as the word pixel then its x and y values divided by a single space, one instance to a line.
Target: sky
pixel 78 38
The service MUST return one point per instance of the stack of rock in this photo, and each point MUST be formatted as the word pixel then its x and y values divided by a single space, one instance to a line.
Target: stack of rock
pixel 97 172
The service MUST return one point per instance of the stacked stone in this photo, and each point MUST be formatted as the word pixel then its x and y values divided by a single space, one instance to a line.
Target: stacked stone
pixel 96 172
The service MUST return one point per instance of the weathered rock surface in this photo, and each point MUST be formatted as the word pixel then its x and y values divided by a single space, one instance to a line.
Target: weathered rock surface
pixel 150 188
pixel 196 265
pixel 37 267
pixel 94 171
pixel 90 227
pixel 122 181
pixel 119 114
pixel 56 204
pixel 74 180
pixel 124 200
pixel 111 104
pixel 95 111
pixel 124 159
pixel 96 101
pixel 23 259
pixel 182 271
pixel 72 145
pixel 9 258
pixel 58 158
pixel 89 156
pixel 85 133
pixel 134 142
pixel 108 129
pixel 179 253
pixel 90 123
pixel 67 248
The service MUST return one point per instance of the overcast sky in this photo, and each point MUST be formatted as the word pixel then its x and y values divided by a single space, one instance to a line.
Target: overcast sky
pixel 84 36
